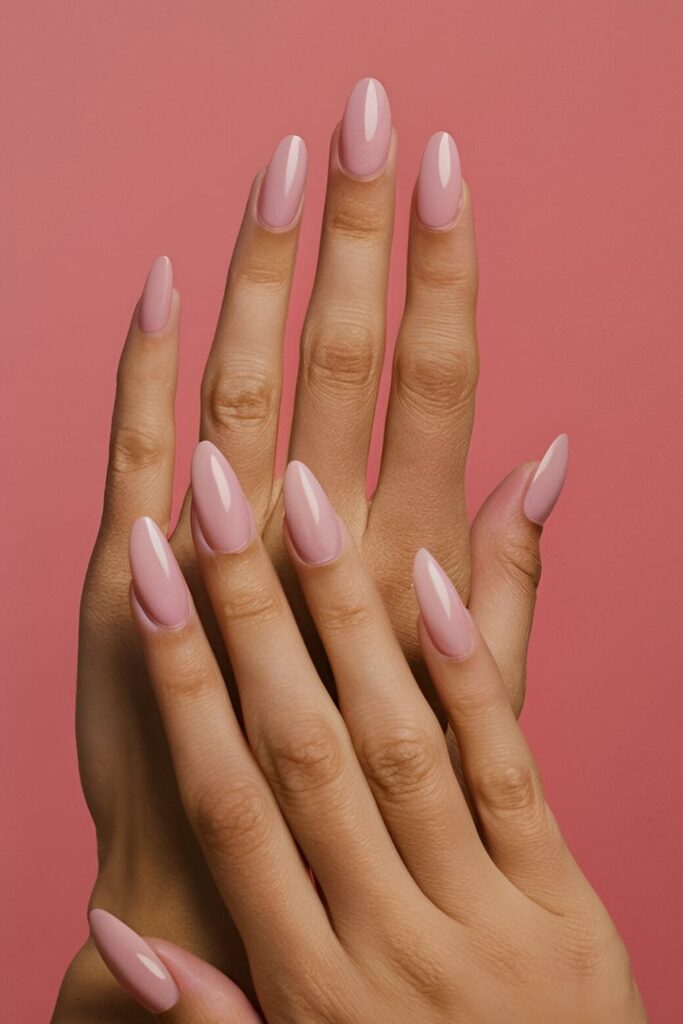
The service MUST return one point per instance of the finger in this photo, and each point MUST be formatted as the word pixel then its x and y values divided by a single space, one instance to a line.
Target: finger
pixel 248 847
pixel 242 380
pixel 506 563
pixel 431 403
pixel 167 980
pixel 342 343
pixel 398 740
pixel 520 832
pixel 141 451
pixel 293 727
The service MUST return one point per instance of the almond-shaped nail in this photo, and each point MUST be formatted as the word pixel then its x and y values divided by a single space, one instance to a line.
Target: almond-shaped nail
pixel 158 582
pixel 134 964
pixel 365 134
pixel 547 482
pixel 439 185
pixel 313 524
pixel 444 615
pixel 219 503
pixel 155 304
pixel 283 183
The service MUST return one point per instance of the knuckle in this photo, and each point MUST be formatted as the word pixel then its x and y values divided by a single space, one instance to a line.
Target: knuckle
pixel 267 271
pixel 521 558
pixel 436 377
pixel 402 762
pixel 510 789
pixel 345 616
pixel 432 269
pixel 340 355
pixel 189 681
pixel 356 219
pixel 229 817
pixel 133 448
pixel 249 602
pixel 302 758
pixel 240 399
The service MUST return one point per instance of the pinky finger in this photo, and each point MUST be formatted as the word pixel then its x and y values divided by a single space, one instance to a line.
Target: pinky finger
pixel 166 979
pixel 518 827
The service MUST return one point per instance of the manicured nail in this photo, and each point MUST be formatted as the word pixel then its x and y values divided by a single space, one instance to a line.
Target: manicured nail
pixel 547 481
pixel 157 580
pixel 439 185
pixel 155 304
pixel 134 964
pixel 313 524
pixel 283 183
pixel 223 512
pixel 366 129
pixel 445 617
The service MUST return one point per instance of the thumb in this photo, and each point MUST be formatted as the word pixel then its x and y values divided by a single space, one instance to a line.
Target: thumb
pixel 166 979
pixel 506 561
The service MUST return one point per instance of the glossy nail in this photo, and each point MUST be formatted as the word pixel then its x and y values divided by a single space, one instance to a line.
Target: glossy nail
pixel 546 484
pixel 155 304
pixel 134 964
pixel 439 185
pixel 313 524
pixel 157 580
pixel 283 183
pixel 444 615
pixel 221 508
pixel 366 129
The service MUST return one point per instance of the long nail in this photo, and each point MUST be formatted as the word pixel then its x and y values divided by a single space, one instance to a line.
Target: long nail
pixel 546 484
pixel 155 304
pixel 223 512
pixel 157 580
pixel 313 524
pixel 366 129
pixel 283 183
pixel 134 964
pixel 445 617
pixel 439 185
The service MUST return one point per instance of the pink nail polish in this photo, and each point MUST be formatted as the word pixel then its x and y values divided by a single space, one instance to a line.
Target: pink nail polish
pixel 155 304
pixel 157 580
pixel 439 185
pixel 222 510
pixel 366 129
pixel 445 617
pixel 547 481
pixel 283 183
pixel 134 964
pixel 313 524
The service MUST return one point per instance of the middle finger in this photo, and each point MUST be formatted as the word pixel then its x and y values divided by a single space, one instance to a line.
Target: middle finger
pixel 342 343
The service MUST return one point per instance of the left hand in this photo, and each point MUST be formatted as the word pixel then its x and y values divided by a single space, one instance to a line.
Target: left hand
pixel 424 909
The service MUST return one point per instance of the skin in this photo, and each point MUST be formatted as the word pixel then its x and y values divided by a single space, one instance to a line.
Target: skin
pixel 142 835
pixel 393 931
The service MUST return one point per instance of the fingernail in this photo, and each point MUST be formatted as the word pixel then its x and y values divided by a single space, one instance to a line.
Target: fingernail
pixel 366 129
pixel 313 524
pixel 439 185
pixel 223 512
pixel 157 580
pixel 155 304
pixel 283 183
pixel 445 617
pixel 547 481
pixel 134 964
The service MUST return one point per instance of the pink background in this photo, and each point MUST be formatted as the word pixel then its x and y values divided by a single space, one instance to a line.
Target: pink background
pixel 134 128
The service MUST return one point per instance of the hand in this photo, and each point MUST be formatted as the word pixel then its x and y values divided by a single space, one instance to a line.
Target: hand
pixel 424 909
pixel 125 769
